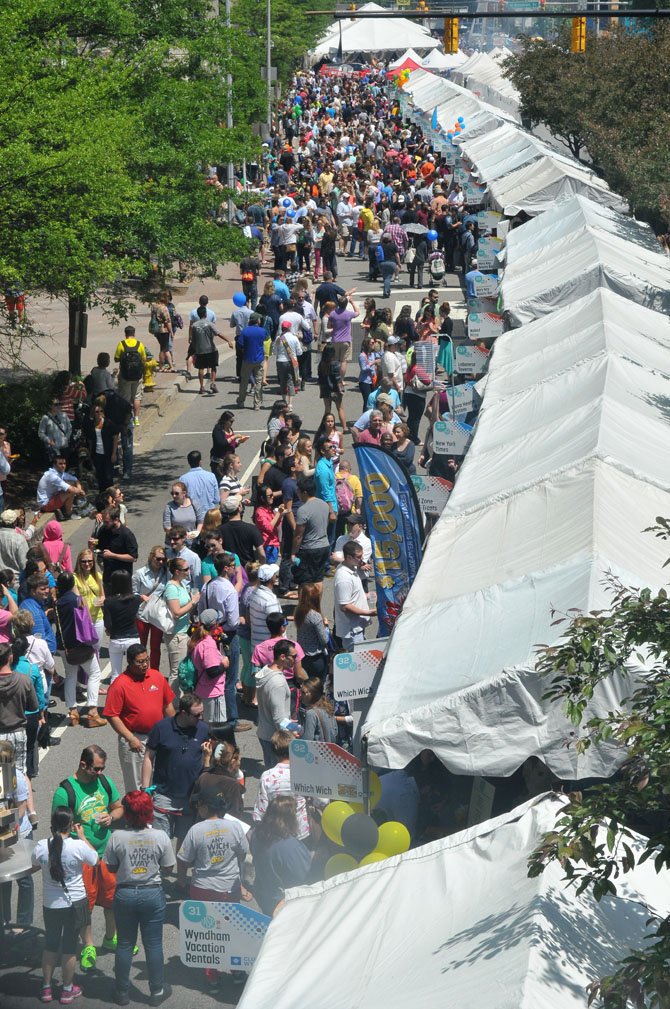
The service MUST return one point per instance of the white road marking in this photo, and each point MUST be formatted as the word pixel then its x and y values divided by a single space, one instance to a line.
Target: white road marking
pixel 179 434
pixel 60 729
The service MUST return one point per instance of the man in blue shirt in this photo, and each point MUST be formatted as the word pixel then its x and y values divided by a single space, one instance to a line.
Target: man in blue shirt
pixel 36 602
pixel 324 482
pixel 201 486
pixel 470 279
pixel 280 285
pixel 251 341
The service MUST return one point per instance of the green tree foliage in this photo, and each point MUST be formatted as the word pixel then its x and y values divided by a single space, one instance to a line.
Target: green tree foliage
pixel 609 101
pixel 595 647
pixel 110 111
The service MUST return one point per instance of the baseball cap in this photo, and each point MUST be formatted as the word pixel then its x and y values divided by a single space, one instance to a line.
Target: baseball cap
pixel 286 324
pixel 210 618
pixel 231 504
pixel 393 339
pixel 384 397
pixel 266 572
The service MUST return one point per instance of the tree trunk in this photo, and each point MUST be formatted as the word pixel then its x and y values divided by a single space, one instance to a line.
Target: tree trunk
pixel 76 337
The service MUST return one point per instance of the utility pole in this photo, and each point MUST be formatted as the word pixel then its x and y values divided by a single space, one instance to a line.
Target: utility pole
pixel 268 65
pixel 229 120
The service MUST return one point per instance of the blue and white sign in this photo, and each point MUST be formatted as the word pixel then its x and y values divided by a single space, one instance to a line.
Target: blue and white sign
pixel 486 285
pixel 220 935
pixel 451 437
pixel 468 359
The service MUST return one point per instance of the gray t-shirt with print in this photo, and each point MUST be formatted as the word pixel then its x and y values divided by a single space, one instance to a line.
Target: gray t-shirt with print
pixel 215 848
pixel 137 856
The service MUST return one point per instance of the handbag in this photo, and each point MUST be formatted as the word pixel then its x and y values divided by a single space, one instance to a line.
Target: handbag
pixel 410 255
pixel 78 653
pixel 157 613
pixel 44 736
pixel 84 628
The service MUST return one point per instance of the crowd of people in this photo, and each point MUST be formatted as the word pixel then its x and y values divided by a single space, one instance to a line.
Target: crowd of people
pixel 229 599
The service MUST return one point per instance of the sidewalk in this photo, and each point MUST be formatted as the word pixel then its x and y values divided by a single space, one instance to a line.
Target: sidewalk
pixel 50 316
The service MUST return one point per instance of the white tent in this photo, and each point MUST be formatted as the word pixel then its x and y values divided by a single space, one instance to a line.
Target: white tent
pixel 513 149
pixel 456 924
pixel 483 76
pixel 564 221
pixel 409 54
pixel 439 61
pixel 535 188
pixel 535 285
pixel 375 35
pixel 425 90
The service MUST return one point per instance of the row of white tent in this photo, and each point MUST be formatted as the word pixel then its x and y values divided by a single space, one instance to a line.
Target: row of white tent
pixel 568 466
pixel 521 172
pixel 373 37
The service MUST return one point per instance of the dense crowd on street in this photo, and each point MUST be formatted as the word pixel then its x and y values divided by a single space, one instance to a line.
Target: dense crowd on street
pixel 224 610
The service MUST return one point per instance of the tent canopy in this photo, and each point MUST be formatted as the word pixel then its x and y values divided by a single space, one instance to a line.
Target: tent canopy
pixel 409 58
pixel 535 188
pixel 485 935
pixel 376 35
pixel 484 77
pixel 437 60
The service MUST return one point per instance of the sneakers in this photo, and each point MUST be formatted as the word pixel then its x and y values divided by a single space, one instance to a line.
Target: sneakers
pixel 156 997
pixel 243 726
pixel 94 721
pixel 68 995
pixel 136 421
pixel 122 998
pixel 213 387
pixel 47 994
pixel 114 942
pixel 88 958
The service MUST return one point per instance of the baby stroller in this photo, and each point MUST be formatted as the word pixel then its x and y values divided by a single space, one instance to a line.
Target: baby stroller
pixel 436 266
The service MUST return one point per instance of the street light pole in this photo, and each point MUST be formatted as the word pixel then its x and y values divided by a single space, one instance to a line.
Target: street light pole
pixel 229 102
pixel 268 65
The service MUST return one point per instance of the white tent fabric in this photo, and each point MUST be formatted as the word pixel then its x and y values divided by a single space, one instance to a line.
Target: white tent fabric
pixel 439 61
pixel 516 148
pixel 425 90
pixel 375 35
pixel 534 285
pixel 409 54
pixel 456 923
pixel 484 77
pixel 565 220
pixel 535 188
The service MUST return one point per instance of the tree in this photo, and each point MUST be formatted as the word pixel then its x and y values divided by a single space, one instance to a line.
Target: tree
pixel 110 112
pixel 594 647
pixel 294 30
pixel 607 102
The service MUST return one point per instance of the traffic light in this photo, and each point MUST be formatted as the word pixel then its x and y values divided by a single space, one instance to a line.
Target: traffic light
pixel 578 39
pixel 451 35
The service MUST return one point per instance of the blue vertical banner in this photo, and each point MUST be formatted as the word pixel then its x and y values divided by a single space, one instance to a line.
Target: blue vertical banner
pixel 394 525
pixel 433 122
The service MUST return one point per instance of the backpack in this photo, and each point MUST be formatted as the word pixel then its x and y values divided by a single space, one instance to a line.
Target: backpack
pixel 154 325
pixel 56 567
pixel 131 364
pixel 66 785
pixel 187 675
pixel 344 494
pixel 379 253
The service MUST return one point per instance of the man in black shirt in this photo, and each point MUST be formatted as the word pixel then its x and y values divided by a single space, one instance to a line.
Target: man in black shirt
pixel 116 545
pixel 327 291
pixel 275 476
pixel 238 537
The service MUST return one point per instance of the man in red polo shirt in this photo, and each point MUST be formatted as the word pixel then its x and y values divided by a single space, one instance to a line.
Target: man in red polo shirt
pixel 137 699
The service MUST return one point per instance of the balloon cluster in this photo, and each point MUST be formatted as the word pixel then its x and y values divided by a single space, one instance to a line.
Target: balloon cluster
pixel 346 825
pixel 456 129
pixel 401 79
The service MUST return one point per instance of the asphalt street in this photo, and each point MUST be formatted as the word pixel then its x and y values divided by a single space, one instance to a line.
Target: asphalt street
pixel 161 452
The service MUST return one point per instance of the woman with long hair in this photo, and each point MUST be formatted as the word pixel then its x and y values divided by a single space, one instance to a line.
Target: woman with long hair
pixel 62 859
pixel 328 430
pixel 267 520
pixel 281 860
pixel 229 484
pixel 303 456
pixel 223 776
pixel 120 611
pixel 367 361
pixel 224 440
pixel 319 721
pixel 312 630
pixel 88 583
pixel 180 511
pixel 445 352
pixel 139 856
pixel 180 601
pixel 75 655
pixel 146 582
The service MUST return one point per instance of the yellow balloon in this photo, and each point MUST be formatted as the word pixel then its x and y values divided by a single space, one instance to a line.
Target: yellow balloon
pixel 339 863
pixel 375 786
pixel 393 838
pixel 333 817
pixel 374 856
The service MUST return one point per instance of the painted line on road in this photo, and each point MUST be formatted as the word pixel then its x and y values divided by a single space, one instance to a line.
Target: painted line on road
pixel 59 731
pixel 178 434
pixel 250 468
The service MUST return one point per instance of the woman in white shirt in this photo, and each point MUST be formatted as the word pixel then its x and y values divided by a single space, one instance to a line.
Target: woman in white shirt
pixel 65 904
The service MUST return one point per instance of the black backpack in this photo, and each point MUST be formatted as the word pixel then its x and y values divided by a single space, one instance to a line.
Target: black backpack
pixel 131 364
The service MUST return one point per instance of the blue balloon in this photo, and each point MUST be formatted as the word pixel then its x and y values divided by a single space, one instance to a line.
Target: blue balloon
pixel 450 136
pixel 239 299
pixel 286 202
pixel 298 99
pixel 432 236
pixel 460 119
pixel 290 213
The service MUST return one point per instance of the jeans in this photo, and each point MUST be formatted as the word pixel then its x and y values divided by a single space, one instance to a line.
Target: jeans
pixel 142 906
pixel 127 449
pixel 355 637
pixel 269 755
pixel 388 273
pixel 250 288
pixel 230 691
pixel 365 390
